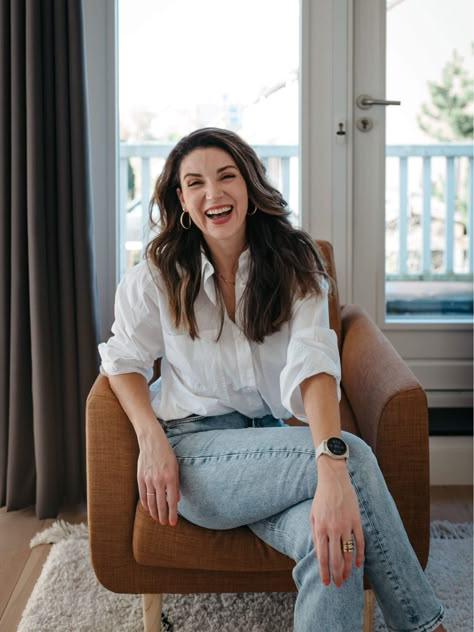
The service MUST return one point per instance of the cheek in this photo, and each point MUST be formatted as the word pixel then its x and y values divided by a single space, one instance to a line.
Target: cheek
pixel 244 202
pixel 244 195
pixel 195 216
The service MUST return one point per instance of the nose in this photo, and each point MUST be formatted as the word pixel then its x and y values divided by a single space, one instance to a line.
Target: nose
pixel 213 190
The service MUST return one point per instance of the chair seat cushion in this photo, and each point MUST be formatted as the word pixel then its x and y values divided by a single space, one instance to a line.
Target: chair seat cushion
pixel 189 546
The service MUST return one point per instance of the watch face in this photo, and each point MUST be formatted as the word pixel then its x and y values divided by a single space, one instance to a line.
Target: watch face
pixel 336 446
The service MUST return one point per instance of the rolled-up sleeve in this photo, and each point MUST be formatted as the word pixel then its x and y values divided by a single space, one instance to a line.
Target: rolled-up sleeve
pixel 312 349
pixel 137 339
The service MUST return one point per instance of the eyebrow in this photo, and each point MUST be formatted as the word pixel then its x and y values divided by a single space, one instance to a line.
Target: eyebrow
pixel 198 175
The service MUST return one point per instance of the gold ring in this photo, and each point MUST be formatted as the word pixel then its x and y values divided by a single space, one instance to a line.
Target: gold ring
pixel 150 494
pixel 348 546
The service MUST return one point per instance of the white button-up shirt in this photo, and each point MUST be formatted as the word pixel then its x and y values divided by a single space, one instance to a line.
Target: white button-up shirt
pixel 206 376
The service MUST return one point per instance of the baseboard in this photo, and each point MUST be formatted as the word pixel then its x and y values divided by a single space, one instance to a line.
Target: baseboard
pixel 451 460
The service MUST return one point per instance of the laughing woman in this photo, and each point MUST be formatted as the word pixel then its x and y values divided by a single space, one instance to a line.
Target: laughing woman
pixel 233 299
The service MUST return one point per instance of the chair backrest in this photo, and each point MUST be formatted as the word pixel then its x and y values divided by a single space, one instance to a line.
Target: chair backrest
pixel 327 253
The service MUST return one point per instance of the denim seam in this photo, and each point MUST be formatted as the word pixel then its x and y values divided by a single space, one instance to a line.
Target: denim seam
pixel 430 626
pixel 393 577
pixel 426 627
pixel 283 534
pixel 254 453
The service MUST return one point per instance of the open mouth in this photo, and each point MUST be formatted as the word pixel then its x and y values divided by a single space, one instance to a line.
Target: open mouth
pixel 219 213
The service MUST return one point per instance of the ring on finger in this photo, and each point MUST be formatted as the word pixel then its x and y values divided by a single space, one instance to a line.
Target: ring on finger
pixel 150 494
pixel 347 546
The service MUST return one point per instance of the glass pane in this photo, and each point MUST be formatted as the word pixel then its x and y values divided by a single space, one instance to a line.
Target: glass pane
pixel 429 164
pixel 185 64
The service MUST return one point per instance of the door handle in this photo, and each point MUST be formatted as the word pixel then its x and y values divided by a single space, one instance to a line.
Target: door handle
pixel 364 102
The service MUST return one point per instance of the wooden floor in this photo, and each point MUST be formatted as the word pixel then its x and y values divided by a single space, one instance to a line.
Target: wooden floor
pixel 20 566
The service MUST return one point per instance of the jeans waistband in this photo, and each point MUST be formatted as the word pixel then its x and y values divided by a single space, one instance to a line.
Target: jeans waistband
pixel 227 421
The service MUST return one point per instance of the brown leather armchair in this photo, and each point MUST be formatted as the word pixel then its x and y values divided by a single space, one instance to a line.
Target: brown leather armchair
pixel 381 401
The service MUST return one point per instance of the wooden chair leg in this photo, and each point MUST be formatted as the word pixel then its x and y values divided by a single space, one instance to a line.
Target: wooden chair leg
pixel 368 624
pixel 152 612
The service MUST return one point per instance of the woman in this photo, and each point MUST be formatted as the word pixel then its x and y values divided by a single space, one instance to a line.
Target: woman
pixel 234 301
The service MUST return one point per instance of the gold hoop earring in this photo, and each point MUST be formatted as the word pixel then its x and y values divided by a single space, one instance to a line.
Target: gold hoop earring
pixel 253 212
pixel 181 221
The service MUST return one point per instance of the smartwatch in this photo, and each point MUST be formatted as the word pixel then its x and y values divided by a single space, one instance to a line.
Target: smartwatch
pixel 334 447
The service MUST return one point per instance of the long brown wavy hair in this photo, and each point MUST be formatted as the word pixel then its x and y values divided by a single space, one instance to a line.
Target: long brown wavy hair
pixel 284 262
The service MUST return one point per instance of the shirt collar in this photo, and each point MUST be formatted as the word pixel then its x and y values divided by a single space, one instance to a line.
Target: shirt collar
pixel 207 270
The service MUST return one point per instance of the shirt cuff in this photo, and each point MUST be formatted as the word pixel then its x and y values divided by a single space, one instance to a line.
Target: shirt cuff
pixel 318 360
pixel 108 369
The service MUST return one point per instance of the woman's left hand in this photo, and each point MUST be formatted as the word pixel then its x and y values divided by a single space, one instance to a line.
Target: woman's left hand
pixel 335 518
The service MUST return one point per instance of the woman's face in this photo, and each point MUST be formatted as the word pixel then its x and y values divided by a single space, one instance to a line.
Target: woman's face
pixel 214 193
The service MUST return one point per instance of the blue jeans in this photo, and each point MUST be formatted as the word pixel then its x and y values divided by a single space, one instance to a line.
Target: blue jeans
pixel 261 473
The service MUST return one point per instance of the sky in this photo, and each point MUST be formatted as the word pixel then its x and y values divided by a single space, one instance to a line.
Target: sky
pixel 421 35
pixel 203 49
pixel 176 53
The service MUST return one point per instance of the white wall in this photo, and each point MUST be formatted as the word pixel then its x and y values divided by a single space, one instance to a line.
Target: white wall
pixel 451 460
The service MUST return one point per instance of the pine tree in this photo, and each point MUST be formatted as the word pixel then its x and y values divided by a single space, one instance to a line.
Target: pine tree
pixel 449 116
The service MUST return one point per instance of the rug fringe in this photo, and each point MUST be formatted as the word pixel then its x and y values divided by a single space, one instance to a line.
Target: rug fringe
pixel 445 530
pixel 59 531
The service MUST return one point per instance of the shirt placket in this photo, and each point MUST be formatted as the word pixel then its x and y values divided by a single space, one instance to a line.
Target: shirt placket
pixel 243 351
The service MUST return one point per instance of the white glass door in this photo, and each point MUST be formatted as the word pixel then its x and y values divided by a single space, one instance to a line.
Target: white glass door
pixel 413 179
pixel 183 65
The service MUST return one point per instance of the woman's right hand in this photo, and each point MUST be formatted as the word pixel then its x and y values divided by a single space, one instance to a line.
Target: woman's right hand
pixel 157 470
pixel 158 476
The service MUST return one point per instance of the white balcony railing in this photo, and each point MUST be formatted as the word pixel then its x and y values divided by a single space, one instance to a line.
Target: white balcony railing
pixel 429 206
pixel 429 212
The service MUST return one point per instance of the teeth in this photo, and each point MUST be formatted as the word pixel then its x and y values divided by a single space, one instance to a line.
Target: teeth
pixel 218 211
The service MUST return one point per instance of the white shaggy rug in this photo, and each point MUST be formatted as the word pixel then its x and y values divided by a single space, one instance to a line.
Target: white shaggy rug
pixel 67 596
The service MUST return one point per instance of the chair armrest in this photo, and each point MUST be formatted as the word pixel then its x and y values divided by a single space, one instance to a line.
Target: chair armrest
pixel 112 491
pixel 392 416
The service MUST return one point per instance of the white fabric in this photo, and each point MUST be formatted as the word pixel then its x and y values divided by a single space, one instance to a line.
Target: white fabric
pixel 206 376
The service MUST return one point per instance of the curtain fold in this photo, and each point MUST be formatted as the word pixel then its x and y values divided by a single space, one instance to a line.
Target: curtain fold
pixel 48 314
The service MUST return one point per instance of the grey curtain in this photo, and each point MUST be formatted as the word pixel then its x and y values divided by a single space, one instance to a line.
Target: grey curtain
pixel 48 329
